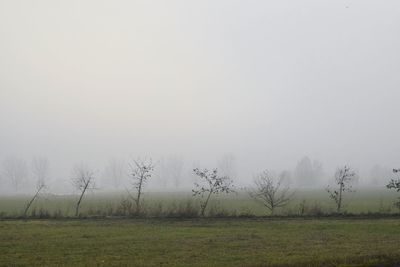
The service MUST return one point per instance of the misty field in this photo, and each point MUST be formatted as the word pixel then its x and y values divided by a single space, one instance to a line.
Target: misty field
pixel 170 231
pixel 201 242
pixel 307 202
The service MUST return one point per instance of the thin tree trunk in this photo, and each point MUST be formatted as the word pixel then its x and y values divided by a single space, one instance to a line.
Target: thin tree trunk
pixel 205 204
pixel 80 199
pixel 340 198
pixel 31 201
pixel 138 196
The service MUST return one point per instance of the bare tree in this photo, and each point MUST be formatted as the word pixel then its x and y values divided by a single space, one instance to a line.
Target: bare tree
pixel 83 180
pixel 227 165
pixel 212 184
pixel 308 173
pixel 40 168
pixel 115 171
pixel 170 170
pixel 15 170
pixel 376 174
pixel 286 177
pixel 395 184
pixel 344 177
pixel 140 172
pixel 175 166
pixel 270 191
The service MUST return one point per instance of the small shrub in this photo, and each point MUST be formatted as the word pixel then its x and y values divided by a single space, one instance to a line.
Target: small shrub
pixel 57 214
pixel 302 207
pixel 218 212
pixel 43 214
pixel 185 209
pixel 246 212
pixel 33 212
pixel 316 210
pixel 125 208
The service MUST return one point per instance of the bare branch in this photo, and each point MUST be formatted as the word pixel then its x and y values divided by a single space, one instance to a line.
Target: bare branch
pixel 115 170
pixel 212 184
pixel 269 193
pixel 82 179
pixel 395 184
pixel 344 177
pixel 40 168
pixel 15 170
pixel 140 172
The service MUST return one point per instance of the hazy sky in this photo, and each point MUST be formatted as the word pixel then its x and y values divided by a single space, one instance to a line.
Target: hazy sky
pixel 268 81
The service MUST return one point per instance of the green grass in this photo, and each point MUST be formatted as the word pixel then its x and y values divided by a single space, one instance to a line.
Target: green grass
pixel 212 242
pixel 362 201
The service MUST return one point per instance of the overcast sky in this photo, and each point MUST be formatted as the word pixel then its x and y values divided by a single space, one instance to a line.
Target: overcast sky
pixel 268 81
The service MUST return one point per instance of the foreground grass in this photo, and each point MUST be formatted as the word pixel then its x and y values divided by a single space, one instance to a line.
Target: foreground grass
pixel 213 242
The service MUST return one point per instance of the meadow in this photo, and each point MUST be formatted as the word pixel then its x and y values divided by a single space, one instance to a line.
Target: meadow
pixel 236 231
pixel 200 242
pixel 315 202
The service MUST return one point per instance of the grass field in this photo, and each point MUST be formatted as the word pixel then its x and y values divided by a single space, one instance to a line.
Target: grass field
pixel 201 242
pixel 103 204
pixel 368 234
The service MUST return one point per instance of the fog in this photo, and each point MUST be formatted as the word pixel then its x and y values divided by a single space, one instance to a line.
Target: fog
pixel 240 85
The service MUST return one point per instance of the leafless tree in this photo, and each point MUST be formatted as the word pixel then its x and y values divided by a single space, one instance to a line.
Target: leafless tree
pixel 140 172
pixel 115 171
pixel 344 178
pixel 83 180
pixel 377 173
pixel 170 170
pixel 227 166
pixel 15 170
pixel 271 192
pixel 175 166
pixel 40 168
pixel 308 173
pixel 286 177
pixel 395 184
pixel 212 183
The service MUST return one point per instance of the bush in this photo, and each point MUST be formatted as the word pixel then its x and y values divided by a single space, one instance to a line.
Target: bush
pixel 316 210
